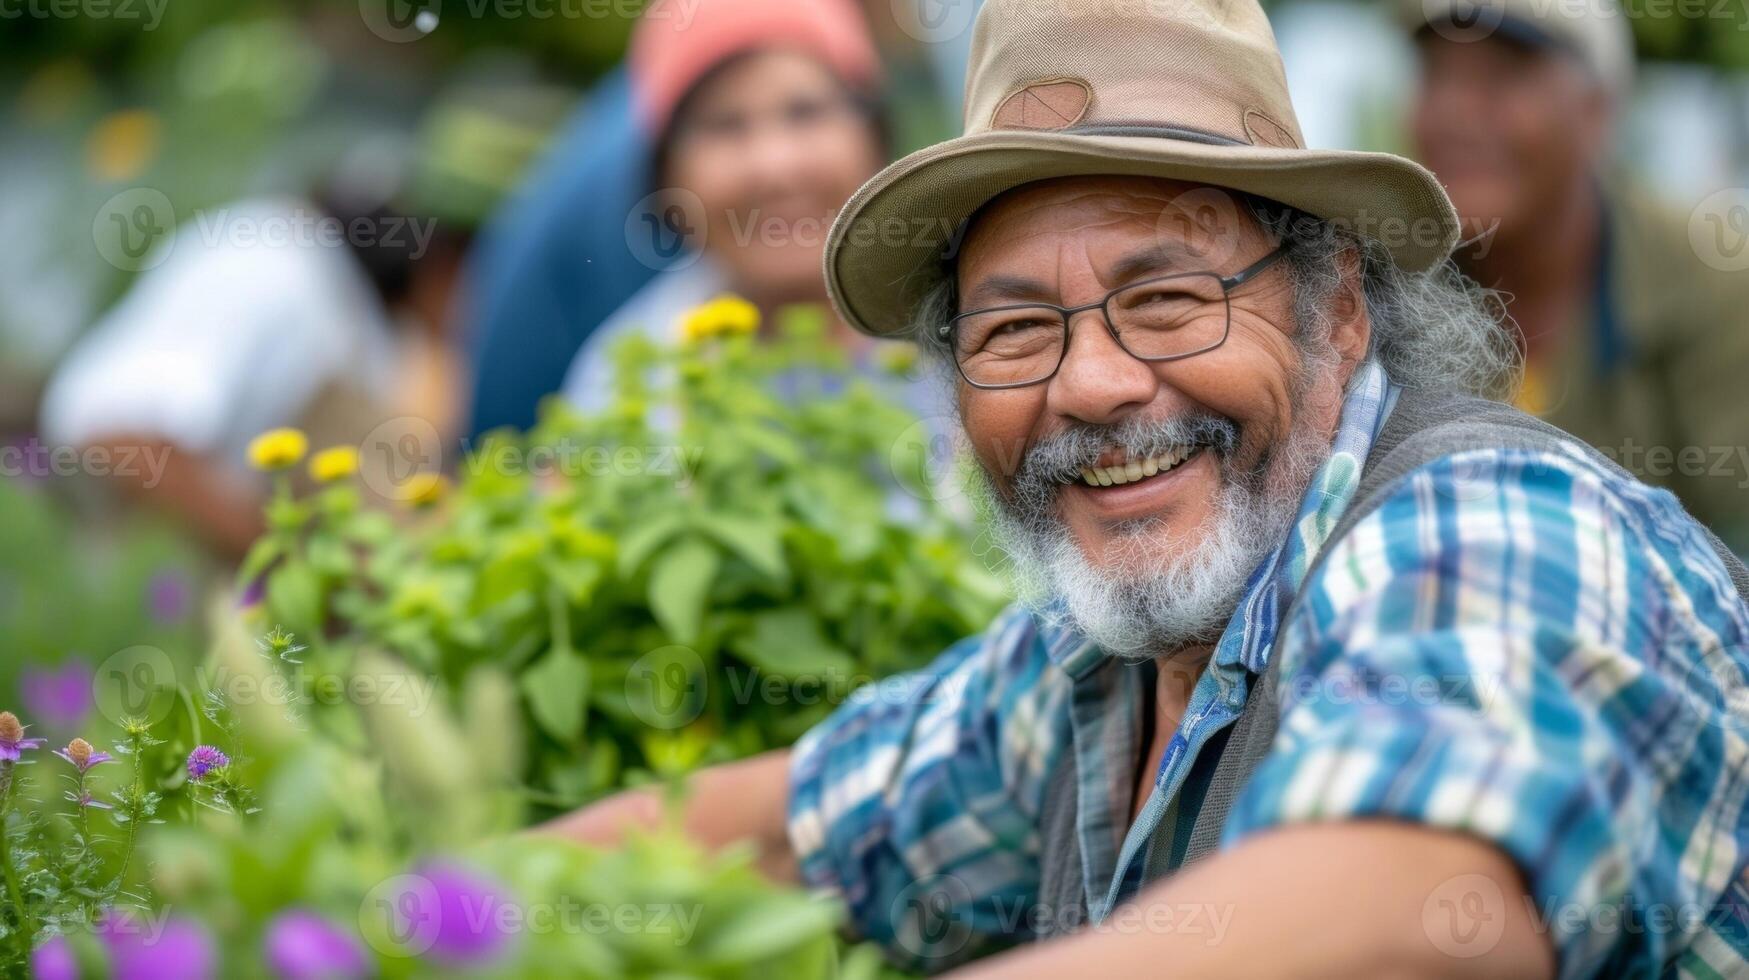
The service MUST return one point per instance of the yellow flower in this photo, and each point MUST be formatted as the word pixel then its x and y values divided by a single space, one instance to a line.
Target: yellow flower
pixel 425 489
pixel 122 144
pixel 277 449
pixel 334 463
pixel 724 316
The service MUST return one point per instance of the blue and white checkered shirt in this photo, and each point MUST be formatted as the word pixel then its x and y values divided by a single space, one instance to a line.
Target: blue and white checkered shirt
pixel 1520 646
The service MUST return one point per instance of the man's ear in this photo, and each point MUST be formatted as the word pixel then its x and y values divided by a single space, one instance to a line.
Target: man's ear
pixel 1350 320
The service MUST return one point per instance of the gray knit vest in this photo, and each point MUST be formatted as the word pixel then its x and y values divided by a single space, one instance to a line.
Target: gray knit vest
pixel 1423 428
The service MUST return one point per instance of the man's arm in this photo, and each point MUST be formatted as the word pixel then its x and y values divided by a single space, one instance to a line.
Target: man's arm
pixel 726 804
pixel 1353 899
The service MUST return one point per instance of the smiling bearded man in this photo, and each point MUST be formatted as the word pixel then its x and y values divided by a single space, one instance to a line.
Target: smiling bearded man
pixel 1327 665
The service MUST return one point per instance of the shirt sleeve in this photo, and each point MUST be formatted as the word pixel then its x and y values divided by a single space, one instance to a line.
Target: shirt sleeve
pixel 918 801
pixel 1527 649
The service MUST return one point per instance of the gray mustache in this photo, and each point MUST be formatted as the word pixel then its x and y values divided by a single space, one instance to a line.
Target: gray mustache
pixel 1060 458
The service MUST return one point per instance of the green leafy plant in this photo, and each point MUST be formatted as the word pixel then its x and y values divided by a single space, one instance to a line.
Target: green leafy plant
pixel 696 573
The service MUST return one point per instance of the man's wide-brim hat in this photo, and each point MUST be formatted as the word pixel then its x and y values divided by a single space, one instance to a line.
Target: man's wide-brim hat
pixel 1191 90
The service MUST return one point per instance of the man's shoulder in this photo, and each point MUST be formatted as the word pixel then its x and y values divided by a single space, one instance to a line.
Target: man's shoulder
pixel 1464 494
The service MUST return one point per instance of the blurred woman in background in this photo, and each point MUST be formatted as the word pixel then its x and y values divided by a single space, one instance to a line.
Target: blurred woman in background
pixel 766 117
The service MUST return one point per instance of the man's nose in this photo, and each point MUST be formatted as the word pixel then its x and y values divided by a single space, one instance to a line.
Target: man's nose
pixel 1098 381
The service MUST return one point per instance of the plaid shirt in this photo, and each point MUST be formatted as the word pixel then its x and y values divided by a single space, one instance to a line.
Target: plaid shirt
pixel 1520 646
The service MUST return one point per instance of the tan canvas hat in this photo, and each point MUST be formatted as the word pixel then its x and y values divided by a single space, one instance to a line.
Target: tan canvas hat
pixel 1186 89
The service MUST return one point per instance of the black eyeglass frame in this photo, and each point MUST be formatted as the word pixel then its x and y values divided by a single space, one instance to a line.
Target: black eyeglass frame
pixel 1228 284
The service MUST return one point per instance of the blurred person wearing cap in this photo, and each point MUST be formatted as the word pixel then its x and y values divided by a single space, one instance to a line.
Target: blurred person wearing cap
pixel 328 312
pixel 765 118
pixel 1631 339
pixel 1327 662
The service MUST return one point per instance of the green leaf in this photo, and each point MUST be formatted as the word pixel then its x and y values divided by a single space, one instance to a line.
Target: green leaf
pixel 680 584
pixel 557 688
pixel 643 541
pixel 768 926
pixel 261 554
pixel 294 597
pixel 756 538
pixel 788 642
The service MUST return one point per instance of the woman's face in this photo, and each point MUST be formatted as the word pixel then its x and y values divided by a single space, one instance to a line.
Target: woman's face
pixel 772 146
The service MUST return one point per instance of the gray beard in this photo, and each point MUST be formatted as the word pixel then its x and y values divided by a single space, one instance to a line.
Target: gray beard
pixel 1153 593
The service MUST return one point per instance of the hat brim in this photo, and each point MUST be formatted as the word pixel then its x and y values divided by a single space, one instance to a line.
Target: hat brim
pixel 890 244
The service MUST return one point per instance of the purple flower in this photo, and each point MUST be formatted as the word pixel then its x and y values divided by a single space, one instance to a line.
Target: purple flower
pixel 12 740
pixel 167 596
pixel 203 760
pixel 301 945
pixel 454 914
pixel 60 696
pixel 54 960
pixel 167 949
pixel 253 592
pixel 82 756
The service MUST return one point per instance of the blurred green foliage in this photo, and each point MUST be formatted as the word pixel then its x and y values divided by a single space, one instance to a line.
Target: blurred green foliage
pixel 770 544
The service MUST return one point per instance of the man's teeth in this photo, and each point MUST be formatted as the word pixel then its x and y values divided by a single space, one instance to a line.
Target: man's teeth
pixel 1133 470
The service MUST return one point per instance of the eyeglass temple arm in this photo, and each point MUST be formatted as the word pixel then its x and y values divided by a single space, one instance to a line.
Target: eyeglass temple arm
pixel 1246 274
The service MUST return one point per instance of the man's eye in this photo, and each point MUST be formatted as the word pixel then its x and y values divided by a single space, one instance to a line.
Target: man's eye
pixel 1156 297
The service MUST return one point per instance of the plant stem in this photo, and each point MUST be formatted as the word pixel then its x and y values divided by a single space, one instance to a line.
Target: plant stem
pixel 135 748
pixel 26 928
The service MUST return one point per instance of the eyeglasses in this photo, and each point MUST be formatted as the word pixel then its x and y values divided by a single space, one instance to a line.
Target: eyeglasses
pixel 1162 319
